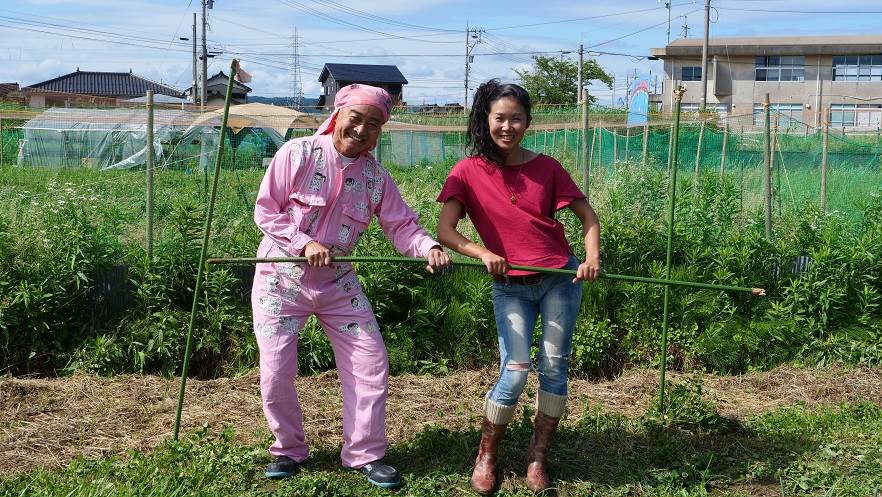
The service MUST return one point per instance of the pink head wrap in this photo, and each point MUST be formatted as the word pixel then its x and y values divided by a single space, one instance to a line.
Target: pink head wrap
pixel 357 94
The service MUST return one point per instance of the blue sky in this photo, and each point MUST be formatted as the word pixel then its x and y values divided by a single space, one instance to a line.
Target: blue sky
pixel 42 39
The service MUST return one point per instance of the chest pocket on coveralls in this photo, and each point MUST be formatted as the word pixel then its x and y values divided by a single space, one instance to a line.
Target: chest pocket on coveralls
pixel 356 218
pixel 304 211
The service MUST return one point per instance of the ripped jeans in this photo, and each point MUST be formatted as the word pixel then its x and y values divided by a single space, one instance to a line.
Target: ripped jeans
pixel 517 307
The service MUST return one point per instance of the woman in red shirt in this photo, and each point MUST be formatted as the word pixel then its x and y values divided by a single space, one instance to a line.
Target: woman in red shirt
pixel 511 195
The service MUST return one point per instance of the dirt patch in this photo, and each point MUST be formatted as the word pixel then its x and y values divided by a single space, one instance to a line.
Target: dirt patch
pixel 49 422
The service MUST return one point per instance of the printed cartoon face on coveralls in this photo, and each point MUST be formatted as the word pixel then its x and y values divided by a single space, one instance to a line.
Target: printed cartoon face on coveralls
pixel 312 193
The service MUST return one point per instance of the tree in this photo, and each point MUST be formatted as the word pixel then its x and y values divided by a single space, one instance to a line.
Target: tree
pixel 554 81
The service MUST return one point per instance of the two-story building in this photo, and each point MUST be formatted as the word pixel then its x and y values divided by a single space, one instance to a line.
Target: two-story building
pixel 336 76
pixel 808 78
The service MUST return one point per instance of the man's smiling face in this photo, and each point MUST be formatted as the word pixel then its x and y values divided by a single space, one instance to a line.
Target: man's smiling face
pixel 357 129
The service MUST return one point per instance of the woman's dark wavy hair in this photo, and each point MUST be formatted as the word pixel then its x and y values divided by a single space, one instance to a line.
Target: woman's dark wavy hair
pixel 479 141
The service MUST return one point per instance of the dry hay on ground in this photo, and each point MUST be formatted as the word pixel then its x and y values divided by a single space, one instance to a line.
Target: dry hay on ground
pixel 50 421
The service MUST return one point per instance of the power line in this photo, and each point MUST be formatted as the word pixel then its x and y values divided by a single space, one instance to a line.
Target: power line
pixel 791 11
pixel 587 18
pixel 89 38
pixel 368 15
pixel 638 31
pixel 335 20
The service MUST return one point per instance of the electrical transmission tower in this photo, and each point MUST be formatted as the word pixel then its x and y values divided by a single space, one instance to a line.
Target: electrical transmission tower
pixel 296 99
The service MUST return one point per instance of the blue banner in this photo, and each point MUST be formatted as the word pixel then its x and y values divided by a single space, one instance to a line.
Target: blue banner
pixel 638 101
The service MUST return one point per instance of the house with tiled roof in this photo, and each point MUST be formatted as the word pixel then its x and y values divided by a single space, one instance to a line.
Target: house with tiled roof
pixel 335 76
pixel 216 90
pixel 105 87
pixel 7 88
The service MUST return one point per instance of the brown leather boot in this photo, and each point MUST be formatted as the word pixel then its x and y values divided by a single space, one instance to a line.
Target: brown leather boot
pixel 484 475
pixel 544 427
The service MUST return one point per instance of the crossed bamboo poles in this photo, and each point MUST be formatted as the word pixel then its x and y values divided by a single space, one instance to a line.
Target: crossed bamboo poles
pixel 474 263
pixel 667 282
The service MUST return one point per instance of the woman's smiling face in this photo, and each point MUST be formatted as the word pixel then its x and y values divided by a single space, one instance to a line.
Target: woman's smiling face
pixel 508 123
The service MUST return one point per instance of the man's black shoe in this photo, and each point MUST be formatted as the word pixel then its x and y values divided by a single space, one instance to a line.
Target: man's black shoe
pixel 282 467
pixel 381 474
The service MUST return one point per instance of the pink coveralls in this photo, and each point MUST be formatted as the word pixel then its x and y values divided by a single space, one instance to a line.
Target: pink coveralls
pixel 311 192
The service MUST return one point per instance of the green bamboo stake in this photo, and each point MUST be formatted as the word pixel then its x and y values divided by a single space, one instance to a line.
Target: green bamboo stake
pixel 672 196
pixel 234 65
pixel 469 262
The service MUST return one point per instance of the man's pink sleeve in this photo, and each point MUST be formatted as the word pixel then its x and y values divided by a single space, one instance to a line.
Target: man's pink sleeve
pixel 270 213
pixel 400 223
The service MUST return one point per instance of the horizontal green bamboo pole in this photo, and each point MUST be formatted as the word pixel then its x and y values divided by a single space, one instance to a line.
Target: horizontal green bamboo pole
pixel 466 262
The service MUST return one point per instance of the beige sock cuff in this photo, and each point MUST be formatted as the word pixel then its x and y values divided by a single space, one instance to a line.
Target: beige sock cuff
pixel 551 404
pixel 496 413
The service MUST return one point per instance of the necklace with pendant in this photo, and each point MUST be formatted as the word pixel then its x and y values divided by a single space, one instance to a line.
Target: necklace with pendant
pixel 514 197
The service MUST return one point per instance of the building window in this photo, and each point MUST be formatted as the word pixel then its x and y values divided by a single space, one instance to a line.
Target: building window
pixel 857 68
pixel 780 68
pixel 855 115
pixel 786 115
pixel 690 73
pixel 721 109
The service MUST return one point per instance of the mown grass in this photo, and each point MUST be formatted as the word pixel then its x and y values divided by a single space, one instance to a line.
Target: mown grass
pixel 796 450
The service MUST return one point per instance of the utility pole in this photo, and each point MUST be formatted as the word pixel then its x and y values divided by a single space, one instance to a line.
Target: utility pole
pixel 203 92
pixel 685 27
pixel 613 91
pixel 471 34
pixel 704 55
pixel 668 6
pixel 195 85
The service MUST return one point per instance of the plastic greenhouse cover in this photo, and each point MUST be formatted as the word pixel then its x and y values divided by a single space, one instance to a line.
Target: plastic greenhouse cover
pixel 96 138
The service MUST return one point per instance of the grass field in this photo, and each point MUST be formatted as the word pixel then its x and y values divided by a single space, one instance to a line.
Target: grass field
pixel 788 431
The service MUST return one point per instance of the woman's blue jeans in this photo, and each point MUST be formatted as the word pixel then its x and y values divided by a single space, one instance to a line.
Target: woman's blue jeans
pixel 557 300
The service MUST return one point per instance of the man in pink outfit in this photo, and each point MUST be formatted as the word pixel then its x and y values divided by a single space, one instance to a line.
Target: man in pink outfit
pixel 316 199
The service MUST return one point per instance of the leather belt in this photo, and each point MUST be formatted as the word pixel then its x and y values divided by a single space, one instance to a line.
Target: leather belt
pixel 525 279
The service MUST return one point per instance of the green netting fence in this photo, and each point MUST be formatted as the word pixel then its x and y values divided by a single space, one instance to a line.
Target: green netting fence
pixel 729 145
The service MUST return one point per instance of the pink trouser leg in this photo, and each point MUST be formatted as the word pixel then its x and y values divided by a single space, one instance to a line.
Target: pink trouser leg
pixel 363 368
pixel 278 368
pixel 283 297
pixel 279 315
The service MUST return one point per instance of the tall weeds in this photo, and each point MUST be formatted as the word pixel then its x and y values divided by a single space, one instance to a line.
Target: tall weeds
pixel 823 273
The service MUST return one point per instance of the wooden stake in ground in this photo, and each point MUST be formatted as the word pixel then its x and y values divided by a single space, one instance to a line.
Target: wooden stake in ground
pixel 776 167
pixel 380 147
pixel 824 166
pixel 672 200
pixel 698 150
pixel 206 236
pixel 411 148
pixel 591 153
pixel 149 149
pixel 615 137
pixel 645 143
pixel 583 155
pixel 767 160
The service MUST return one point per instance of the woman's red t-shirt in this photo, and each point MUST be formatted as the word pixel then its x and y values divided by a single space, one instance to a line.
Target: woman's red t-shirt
pixel 524 230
